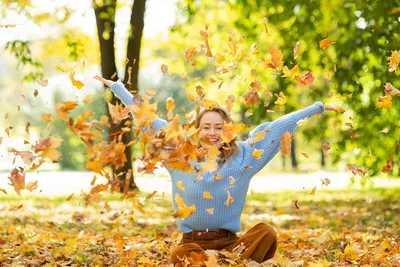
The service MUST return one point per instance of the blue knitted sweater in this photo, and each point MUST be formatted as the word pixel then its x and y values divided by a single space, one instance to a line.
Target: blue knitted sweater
pixel 225 215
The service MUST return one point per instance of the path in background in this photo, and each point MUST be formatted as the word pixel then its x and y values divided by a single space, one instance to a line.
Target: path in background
pixel 66 183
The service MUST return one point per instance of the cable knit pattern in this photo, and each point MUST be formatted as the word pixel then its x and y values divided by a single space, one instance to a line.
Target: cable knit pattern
pixel 241 168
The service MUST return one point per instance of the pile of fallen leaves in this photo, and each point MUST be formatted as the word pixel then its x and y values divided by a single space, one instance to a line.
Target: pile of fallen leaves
pixel 330 228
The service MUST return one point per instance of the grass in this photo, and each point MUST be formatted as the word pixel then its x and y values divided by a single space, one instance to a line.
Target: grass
pixel 47 230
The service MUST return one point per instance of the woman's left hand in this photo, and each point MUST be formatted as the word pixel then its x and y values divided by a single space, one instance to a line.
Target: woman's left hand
pixel 329 107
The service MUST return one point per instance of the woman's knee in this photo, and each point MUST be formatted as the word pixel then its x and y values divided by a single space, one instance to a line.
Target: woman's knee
pixel 178 253
pixel 267 230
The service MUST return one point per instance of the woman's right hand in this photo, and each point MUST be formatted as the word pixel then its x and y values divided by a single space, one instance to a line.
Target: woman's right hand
pixel 106 82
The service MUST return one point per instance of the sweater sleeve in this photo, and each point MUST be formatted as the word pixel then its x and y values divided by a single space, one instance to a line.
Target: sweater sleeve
pixel 127 99
pixel 270 144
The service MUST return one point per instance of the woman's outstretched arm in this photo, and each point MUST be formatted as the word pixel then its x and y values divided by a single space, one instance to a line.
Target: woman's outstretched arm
pixel 267 136
pixel 127 98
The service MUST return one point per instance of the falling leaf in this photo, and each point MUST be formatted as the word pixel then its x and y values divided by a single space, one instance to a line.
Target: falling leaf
pixel 231 180
pixel 208 104
pixel 354 136
pixel 296 50
pixel 180 185
pixel 231 131
pixel 76 83
pixel 313 191
pixel 164 69
pixel 305 79
pixel 326 147
pixel 207 195
pixel 281 99
pixel 66 66
pixel 304 154
pixel 182 210
pixel 32 186
pixel 35 93
pixel 391 90
pixel 296 204
pixel 340 110
pixel 388 167
pixel 16 207
pixel 356 169
pixel 257 153
pixel 394 61
pixel 251 98
pixel 325 181
pixel 27 127
pixel 289 73
pixel 276 59
pixel 265 25
pixel 384 101
pixel 259 136
pixel 210 211
pixel 286 143
pixel 43 82
pixel 229 199
pixel 324 44
pixel 217 177
pixel 219 58
pixel 63 109
pixel 385 130
pixel 88 99
pixel 190 53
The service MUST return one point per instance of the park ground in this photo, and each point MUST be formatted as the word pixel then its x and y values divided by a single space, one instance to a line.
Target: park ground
pixel 336 225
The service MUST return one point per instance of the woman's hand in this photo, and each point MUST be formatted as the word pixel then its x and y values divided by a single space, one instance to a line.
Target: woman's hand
pixel 329 107
pixel 106 82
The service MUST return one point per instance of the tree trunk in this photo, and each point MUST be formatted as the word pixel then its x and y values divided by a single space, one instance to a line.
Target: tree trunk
pixel 105 20
pixel 293 155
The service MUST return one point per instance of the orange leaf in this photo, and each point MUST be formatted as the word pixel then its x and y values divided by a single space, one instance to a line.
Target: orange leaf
pixel 276 59
pixel 210 211
pixel 76 83
pixel 229 199
pixel 388 167
pixel 305 154
pixel 324 44
pixel 384 101
pixel 164 68
pixel 286 143
pixel 180 185
pixel 313 191
pixel 182 210
pixel 305 79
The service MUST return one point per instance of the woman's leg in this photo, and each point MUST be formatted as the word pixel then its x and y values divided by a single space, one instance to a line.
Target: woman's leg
pixel 178 254
pixel 260 243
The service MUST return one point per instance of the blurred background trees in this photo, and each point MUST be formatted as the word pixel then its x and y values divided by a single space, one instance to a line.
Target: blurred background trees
pixel 350 73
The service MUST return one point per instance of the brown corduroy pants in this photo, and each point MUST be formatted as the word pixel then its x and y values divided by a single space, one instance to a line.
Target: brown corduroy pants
pixel 260 242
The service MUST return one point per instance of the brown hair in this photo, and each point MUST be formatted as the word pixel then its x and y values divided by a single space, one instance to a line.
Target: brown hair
pixel 227 150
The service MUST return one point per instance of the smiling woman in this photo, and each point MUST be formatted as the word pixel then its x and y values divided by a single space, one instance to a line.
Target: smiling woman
pixel 209 201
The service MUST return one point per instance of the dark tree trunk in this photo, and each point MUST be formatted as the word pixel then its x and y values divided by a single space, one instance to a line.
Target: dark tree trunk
pixel 322 159
pixel 293 155
pixel 105 20
pixel 134 42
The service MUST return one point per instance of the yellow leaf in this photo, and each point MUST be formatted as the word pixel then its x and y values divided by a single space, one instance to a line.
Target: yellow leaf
pixel 219 58
pixel 257 153
pixel 384 101
pixel 66 66
pixel 305 154
pixel 352 252
pixel 289 73
pixel 313 191
pixel 229 199
pixel 76 83
pixel 217 177
pixel 281 99
pixel 183 211
pixel 231 180
pixel 259 136
pixel 180 185
pixel 207 195
pixel 210 211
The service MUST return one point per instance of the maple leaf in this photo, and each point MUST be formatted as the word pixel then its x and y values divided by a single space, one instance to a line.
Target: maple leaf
pixel 197 259
pixel 325 181
pixel 63 109
pixel 324 44
pixel 182 211
pixel 356 169
pixel 32 186
pixel 251 98
pixel 231 131
pixel 276 60
pixel 305 79
pixel 384 101
pixel 394 61
pixel 286 143
pixel 66 66
pixel 259 136
pixel 388 166
pixel 17 179
pixel 208 104
pixel 391 90
pixel 190 53
pixel 288 73
pixel 257 153
pixel 281 99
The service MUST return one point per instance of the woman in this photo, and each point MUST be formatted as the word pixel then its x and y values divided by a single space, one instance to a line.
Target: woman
pixel 219 197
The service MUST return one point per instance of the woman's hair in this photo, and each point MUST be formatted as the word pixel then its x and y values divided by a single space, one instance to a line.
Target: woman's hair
pixel 227 150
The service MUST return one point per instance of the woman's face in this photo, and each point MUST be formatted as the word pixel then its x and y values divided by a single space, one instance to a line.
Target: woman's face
pixel 211 127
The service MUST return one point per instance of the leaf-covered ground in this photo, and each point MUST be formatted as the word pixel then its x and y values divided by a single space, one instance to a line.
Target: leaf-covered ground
pixel 329 228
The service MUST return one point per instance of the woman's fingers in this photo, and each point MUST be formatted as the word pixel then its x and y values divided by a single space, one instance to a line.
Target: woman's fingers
pixel 101 79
